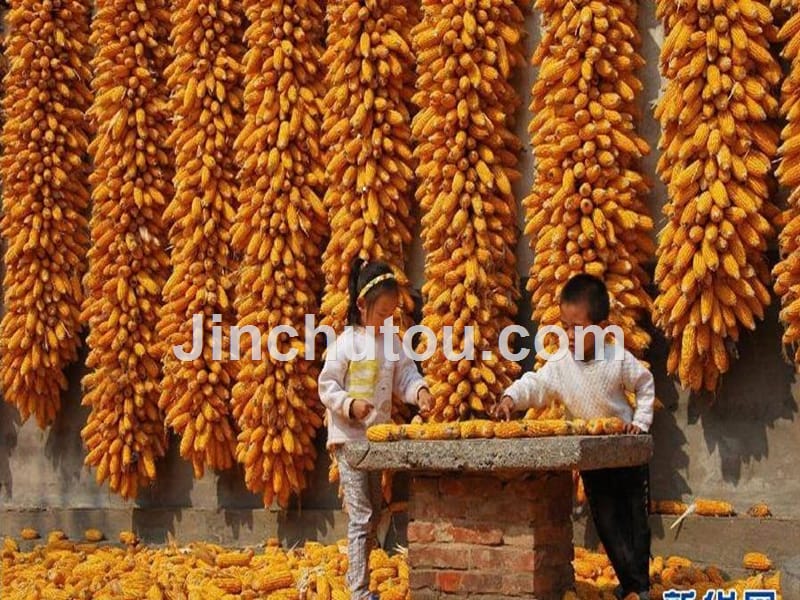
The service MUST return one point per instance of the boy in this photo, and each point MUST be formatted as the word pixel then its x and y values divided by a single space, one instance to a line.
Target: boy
pixel 591 388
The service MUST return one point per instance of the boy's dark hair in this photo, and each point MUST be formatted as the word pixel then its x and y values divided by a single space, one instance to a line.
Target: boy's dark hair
pixel 590 290
pixel 361 274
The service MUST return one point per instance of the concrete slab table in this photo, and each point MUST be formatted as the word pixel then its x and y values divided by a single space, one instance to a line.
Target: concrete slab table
pixel 491 518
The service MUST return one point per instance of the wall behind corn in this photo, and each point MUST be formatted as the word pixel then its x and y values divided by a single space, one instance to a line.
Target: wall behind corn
pixel 743 447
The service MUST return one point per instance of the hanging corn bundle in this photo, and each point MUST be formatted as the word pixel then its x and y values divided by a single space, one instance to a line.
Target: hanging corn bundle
pixel 717 147
pixel 466 53
pixel 205 82
pixel 279 231
pixel 45 197
pixel 128 264
pixel 787 271
pixel 367 141
pixel 586 212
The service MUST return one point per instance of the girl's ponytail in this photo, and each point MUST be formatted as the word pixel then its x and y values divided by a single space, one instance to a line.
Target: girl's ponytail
pixel 353 315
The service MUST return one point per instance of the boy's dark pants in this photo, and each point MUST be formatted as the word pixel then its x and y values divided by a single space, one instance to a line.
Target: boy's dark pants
pixel 619 500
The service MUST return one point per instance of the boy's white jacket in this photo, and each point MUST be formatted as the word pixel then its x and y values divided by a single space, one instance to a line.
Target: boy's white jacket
pixel 590 389
pixel 400 377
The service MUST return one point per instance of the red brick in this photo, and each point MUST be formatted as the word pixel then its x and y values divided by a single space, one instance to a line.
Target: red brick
pixel 553 582
pixel 481 582
pixel 425 485
pixel 449 487
pixel 421 578
pixel 473 487
pixel 421 532
pixel 448 581
pixel 518 584
pixel 528 489
pixel 477 534
pixel 444 531
pixel 456 508
pixel 439 556
pixel 552 556
pixel 504 510
pixel 427 594
pixel 501 559
pixel 545 535
pixel 520 540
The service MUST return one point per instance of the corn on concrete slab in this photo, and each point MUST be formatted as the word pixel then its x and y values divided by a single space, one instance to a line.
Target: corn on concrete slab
pixel 486 455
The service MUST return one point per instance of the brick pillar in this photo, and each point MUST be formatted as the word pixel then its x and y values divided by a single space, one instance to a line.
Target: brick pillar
pixel 483 537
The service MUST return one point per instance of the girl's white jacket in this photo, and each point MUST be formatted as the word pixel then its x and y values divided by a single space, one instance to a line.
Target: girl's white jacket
pixel 399 376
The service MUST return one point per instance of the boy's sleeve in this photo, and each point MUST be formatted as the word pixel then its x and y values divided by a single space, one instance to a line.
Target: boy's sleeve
pixel 640 380
pixel 533 389
pixel 332 390
pixel 407 381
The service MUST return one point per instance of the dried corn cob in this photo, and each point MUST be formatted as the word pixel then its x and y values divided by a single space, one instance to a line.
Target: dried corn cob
pixel 45 197
pixel 760 511
pixel 714 508
pixel 367 131
pixel 756 561
pixel 586 212
pixel 717 147
pixel 668 507
pixel 787 271
pixel 205 80
pixel 279 231
pixel 93 535
pixel 128 263
pixel 467 153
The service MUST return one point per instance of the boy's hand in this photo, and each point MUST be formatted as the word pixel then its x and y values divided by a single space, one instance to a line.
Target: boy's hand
pixel 360 409
pixel 632 429
pixel 424 401
pixel 503 409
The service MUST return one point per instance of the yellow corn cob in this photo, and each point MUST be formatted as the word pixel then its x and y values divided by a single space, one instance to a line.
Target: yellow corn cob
pixel 756 561
pixel 275 402
pixel 717 145
pixel 759 510
pixel 128 538
pixel 128 264
pixel 388 432
pixel 29 534
pixel 274 581
pixel 45 198
pixel 668 507
pixel 714 508
pixel 234 559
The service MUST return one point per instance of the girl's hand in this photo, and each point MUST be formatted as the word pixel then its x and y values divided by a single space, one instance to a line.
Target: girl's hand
pixel 503 409
pixel 632 429
pixel 360 409
pixel 424 401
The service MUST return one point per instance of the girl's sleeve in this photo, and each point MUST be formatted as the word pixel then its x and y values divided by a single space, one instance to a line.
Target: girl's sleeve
pixel 533 389
pixel 407 381
pixel 638 379
pixel 332 390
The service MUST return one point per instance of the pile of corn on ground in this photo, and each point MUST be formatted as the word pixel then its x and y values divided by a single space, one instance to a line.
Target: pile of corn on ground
pixel 63 569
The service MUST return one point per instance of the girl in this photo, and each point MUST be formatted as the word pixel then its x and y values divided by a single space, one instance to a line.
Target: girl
pixel 356 385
